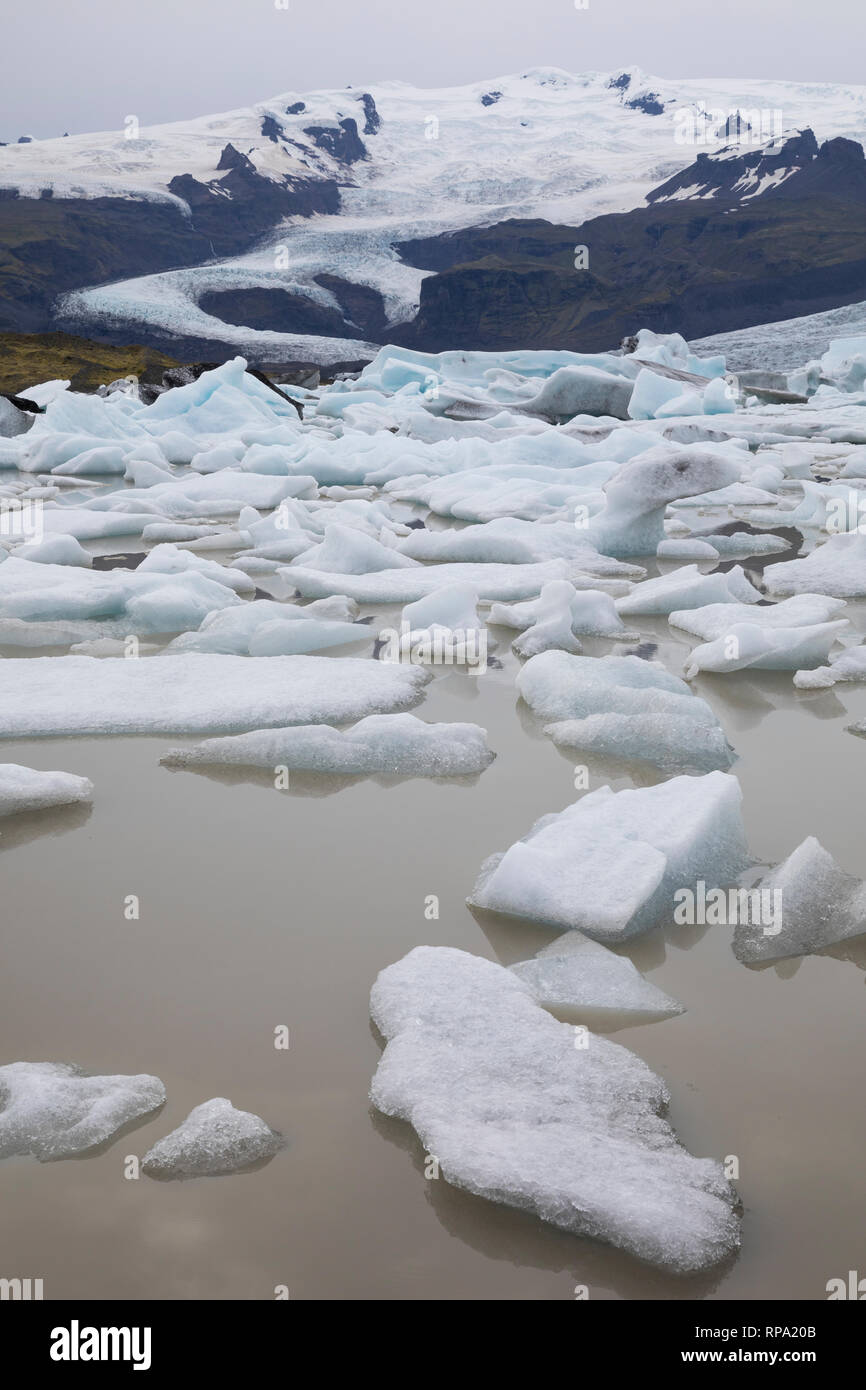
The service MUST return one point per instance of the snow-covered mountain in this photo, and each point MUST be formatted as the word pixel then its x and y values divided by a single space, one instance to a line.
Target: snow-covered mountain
pixel 273 228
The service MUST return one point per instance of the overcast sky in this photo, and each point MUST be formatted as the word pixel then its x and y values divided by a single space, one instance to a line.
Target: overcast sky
pixel 84 67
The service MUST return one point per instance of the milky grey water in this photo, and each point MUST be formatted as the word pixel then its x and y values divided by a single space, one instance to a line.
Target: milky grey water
pixel 261 908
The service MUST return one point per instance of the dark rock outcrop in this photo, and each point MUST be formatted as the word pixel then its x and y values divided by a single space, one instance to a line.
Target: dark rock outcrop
pixel 341 141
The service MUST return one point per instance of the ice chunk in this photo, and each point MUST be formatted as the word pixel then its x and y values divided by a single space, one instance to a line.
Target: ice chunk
pixel 623 706
pixel 847 665
pixel 26 789
pixel 405 586
pixel 270 628
pixel 579 975
pixel 765 648
pixel 632 520
pixel 686 587
pixel 196 693
pixel 818 904
pixel 396 744
pixel 495 1087
pixel 167 559
pixel 837 568
pixel 608 865
pixel 214 1138
pixel 671 741
pixel 56 550
pixel 716 619
pixel 687 548
pixel 511 540
pixel 346 550
pixel 54 1110
pixel 583 390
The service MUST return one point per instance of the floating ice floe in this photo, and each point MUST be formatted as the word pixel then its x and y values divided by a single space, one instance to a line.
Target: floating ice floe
pixel 389 744
pixel 716 619
pixel 214 1139
pixel 576 974
pixel 56 550
pixel 837 568
pixel 196 693
pixel 820 906
pixel 847 665
pixel 407 585
pixel 269 628
pixel 514 1111
pixel 26 789
pixel 557 616
pixel 624 707
pixel 54 1110
pixel 765 648
pixel 686 587
pixel 608 865
pixel 511 540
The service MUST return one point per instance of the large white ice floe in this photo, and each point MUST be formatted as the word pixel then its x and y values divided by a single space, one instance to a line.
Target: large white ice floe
pixel 214 1139
pixel 269 628
pixel 511 540
pixel 54 1110
pixel 195 693
pixel 575 974
pixel 388 744
pixel 624 707
pixel 837 568
pixel 610 863
pixel 407 585
pixel 514 1111
pixel 687 587
pixel 149 601
pixel 765 648
pixel 717 619
pixel 26 789
pixel 818 905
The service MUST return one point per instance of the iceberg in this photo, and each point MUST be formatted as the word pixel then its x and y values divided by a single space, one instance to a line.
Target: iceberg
pixel 26 789
pixel 407 585
pixel 631 521
pixel 820 906
pixel 195 693
pixel 214 1139
pixel 624 707
pixel 51 1110
pixel 515 1111
pixel 715 619
pixel 686 587
pixel 574 974
pixel 765 648
pixel 847 665
pixel 609 864
pixel 391 744
pixel 837 568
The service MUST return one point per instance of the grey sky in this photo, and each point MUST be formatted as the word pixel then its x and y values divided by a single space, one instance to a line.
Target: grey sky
pixel 84 67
